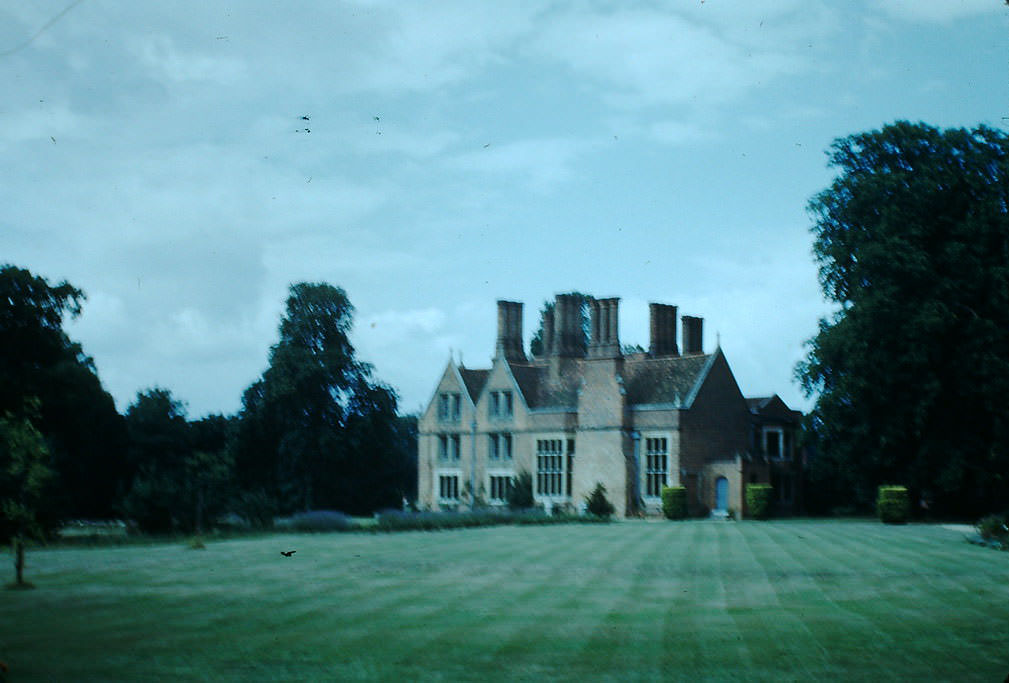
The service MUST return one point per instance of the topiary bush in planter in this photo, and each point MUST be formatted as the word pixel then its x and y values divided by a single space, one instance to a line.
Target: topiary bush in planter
pixel 758 500
pixel 597 503
pixel 674 502
pixel 893 504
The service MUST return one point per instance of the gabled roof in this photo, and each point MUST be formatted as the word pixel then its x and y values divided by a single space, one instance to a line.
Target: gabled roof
pixel 757 403
pixel 529 378
pixel 647 381
pixel 667 380
pixel 772 407
pixel 540 391
pixel 474 381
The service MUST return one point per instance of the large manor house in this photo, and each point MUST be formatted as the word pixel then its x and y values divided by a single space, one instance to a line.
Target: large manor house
pixel 579 415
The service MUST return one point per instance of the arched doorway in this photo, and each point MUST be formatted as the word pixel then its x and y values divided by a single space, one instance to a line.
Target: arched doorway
pixel 721 494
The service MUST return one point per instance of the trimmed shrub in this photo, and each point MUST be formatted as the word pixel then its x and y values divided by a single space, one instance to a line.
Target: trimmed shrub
pixel 758 500
pixel 520 495
pixel 994 528
pixel 320 520
pixel 674 502
pixel 597 503
pixel 893 504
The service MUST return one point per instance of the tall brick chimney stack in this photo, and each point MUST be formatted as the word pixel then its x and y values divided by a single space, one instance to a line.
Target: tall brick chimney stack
pixel 604 339
pixel 692 334
pixel 547 324
pixel 509 331
pixel 567 326
pixel 662 318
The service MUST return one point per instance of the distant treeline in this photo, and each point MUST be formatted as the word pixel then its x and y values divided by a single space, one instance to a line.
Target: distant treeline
pixel 316 430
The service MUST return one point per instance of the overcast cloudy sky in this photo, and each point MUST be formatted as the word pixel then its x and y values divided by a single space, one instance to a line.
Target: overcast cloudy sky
pixel 155 155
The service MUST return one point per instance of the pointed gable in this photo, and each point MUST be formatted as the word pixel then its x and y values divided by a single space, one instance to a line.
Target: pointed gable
pixel 772 407
pixel 474 381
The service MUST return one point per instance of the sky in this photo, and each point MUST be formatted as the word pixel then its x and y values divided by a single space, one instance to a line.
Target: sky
pixel 185 163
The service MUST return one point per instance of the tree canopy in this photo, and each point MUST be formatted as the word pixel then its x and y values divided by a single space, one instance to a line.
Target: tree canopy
pixel 84 433
pixel 315 429
pixel 912 372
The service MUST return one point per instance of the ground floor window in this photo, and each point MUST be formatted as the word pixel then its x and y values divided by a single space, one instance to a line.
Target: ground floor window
pixel 549 467
pixel 448 487
pixel 500 487
pixel 656 466
pixel 571 464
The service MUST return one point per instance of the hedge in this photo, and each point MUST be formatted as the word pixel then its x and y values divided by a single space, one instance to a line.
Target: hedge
pixel 758 500
pixel 317 520
pixel 397 520
pixel 892 504
pixel 674 502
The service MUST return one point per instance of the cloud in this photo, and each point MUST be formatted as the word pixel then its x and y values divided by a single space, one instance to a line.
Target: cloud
pixel 410 347
pixel 643 57
pixel 541 163
pixel 677 132
pixel 937 11
pixel 161 55
pixel 48 125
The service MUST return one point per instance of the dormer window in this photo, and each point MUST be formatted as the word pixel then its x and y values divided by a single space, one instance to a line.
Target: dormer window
pixel 500 404
pixel 776 446
pixel 449 406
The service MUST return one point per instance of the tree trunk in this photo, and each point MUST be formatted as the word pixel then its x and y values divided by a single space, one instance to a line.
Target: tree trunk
pixel 19 560
pixel 199 511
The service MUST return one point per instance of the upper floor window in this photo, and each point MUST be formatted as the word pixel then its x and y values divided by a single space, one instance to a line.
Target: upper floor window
pixel 449 406
pixel 775 446
pixel 448 447
pixel 500 404
pixel 499 446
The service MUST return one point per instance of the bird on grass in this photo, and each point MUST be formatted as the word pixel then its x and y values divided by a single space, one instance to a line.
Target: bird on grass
pixel 288 553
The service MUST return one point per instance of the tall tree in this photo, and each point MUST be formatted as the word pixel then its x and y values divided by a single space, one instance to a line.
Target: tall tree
pixel 209 467
pixel 24 477
pixel 316 428
pixel 84 432
pixel 911 373
pixel 159 450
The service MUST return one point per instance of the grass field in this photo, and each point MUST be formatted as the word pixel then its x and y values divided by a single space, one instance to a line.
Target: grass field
pixel 786 600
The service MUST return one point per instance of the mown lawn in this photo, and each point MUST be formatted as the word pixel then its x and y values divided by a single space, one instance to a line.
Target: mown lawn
pixel 788 600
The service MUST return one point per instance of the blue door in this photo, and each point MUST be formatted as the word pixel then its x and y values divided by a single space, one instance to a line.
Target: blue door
pixel 721 494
